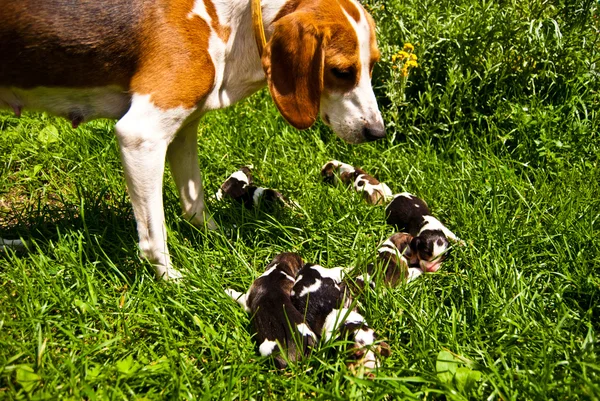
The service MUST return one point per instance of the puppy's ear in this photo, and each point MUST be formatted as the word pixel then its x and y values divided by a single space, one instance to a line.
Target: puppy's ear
pixel 293 62
pixel 384 349
pixel 414 244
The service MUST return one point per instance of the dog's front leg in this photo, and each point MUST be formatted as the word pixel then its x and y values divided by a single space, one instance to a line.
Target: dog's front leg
pixel 144 134
pixel 183 160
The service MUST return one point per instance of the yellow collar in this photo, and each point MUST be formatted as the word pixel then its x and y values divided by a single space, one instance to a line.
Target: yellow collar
pixel 257 25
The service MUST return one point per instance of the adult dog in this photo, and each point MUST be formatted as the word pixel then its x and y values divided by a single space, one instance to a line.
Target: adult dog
pixel 158 66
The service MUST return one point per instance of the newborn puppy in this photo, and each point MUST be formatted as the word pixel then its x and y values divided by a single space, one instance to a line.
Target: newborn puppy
pixel 239 187
pixel 317 291
pixel 235 186
pixel 352 326
pixel 398 259
pixel 280 328
pixel 321 295
pixel 374 191
pixel 408 213
pixel 257 195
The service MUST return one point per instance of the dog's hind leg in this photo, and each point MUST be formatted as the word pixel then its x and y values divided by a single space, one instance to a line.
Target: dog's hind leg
pixel 144 134
pixel 183 160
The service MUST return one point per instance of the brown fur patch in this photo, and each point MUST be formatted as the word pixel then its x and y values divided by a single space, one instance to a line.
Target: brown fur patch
pixel 176 68
pixel 351 9
pixel 293 63
pixel 222 31
pixel 375 54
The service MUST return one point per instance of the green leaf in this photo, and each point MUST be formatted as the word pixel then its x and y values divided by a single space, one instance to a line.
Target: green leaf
pixel 48 135
pixel 128 365
pixel 446 365
pixel 27 378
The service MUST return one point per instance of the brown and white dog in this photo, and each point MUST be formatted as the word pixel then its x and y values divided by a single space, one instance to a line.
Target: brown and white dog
pixel 158 66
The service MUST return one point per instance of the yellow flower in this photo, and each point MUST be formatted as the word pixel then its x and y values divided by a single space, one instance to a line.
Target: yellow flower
pixel 411 64
pixel 413 57
pixel 403 55
pixel 408 47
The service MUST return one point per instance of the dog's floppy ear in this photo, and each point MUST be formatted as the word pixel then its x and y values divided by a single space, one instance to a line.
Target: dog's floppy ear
pixel 293 63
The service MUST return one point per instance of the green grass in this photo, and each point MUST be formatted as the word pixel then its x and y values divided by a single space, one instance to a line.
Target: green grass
pixel 499 134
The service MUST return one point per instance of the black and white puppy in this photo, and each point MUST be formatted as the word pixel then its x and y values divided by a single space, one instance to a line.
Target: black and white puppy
pixel 350 325
pixel 431 238
pixel 238 186
pixel 280 327
pixel 374 192
pixel 322 297
pixel 317 291
pixel 398 260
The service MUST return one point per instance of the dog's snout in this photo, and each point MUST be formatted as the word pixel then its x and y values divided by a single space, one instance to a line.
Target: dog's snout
pixel 373 132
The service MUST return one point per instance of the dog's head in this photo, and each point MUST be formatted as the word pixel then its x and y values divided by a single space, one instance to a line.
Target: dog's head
pixel 319 59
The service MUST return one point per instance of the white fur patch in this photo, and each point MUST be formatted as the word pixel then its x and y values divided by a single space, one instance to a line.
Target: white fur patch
pixel 337 317
pixel 267 347
pixel 269 271
pixel 334 273
pixel 239 297
pixel 365 337
pixel 304 330
pixel 431 223
pixel 413 273
pixel 405 194
pixel 240 176
pixel 383 249
pixel 288 277
pixel 311 288
pixel 258 193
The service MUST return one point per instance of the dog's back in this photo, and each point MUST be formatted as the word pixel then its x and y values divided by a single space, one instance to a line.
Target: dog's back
pixel 69 44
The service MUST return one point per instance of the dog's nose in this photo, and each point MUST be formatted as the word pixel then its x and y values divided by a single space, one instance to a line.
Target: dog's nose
pixel 373 133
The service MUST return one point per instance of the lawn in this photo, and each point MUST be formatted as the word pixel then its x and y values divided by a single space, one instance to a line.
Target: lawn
pixel 497 129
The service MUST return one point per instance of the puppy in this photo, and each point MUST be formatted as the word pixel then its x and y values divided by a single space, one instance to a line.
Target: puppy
pixel 431 238
pixel 398 260
pixel 239 188
pixel 280 327
pixel 322 296
pixel 374 192
pixel 365 351
pixel 317 291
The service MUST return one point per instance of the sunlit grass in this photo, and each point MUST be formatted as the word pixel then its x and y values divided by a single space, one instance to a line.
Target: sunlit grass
pixel 499 134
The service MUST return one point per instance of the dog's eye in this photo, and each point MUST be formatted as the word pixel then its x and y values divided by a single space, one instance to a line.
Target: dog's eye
pixel 344 74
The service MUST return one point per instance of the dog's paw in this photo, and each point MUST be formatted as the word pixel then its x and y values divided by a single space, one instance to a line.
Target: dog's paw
pixel 168 273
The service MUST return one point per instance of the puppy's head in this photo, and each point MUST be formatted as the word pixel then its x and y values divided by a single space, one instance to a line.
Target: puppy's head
pixel 319 60
pixel 236 185
pixel 365 351
pixel 431 247
pixel 290 261
pixel 347 173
